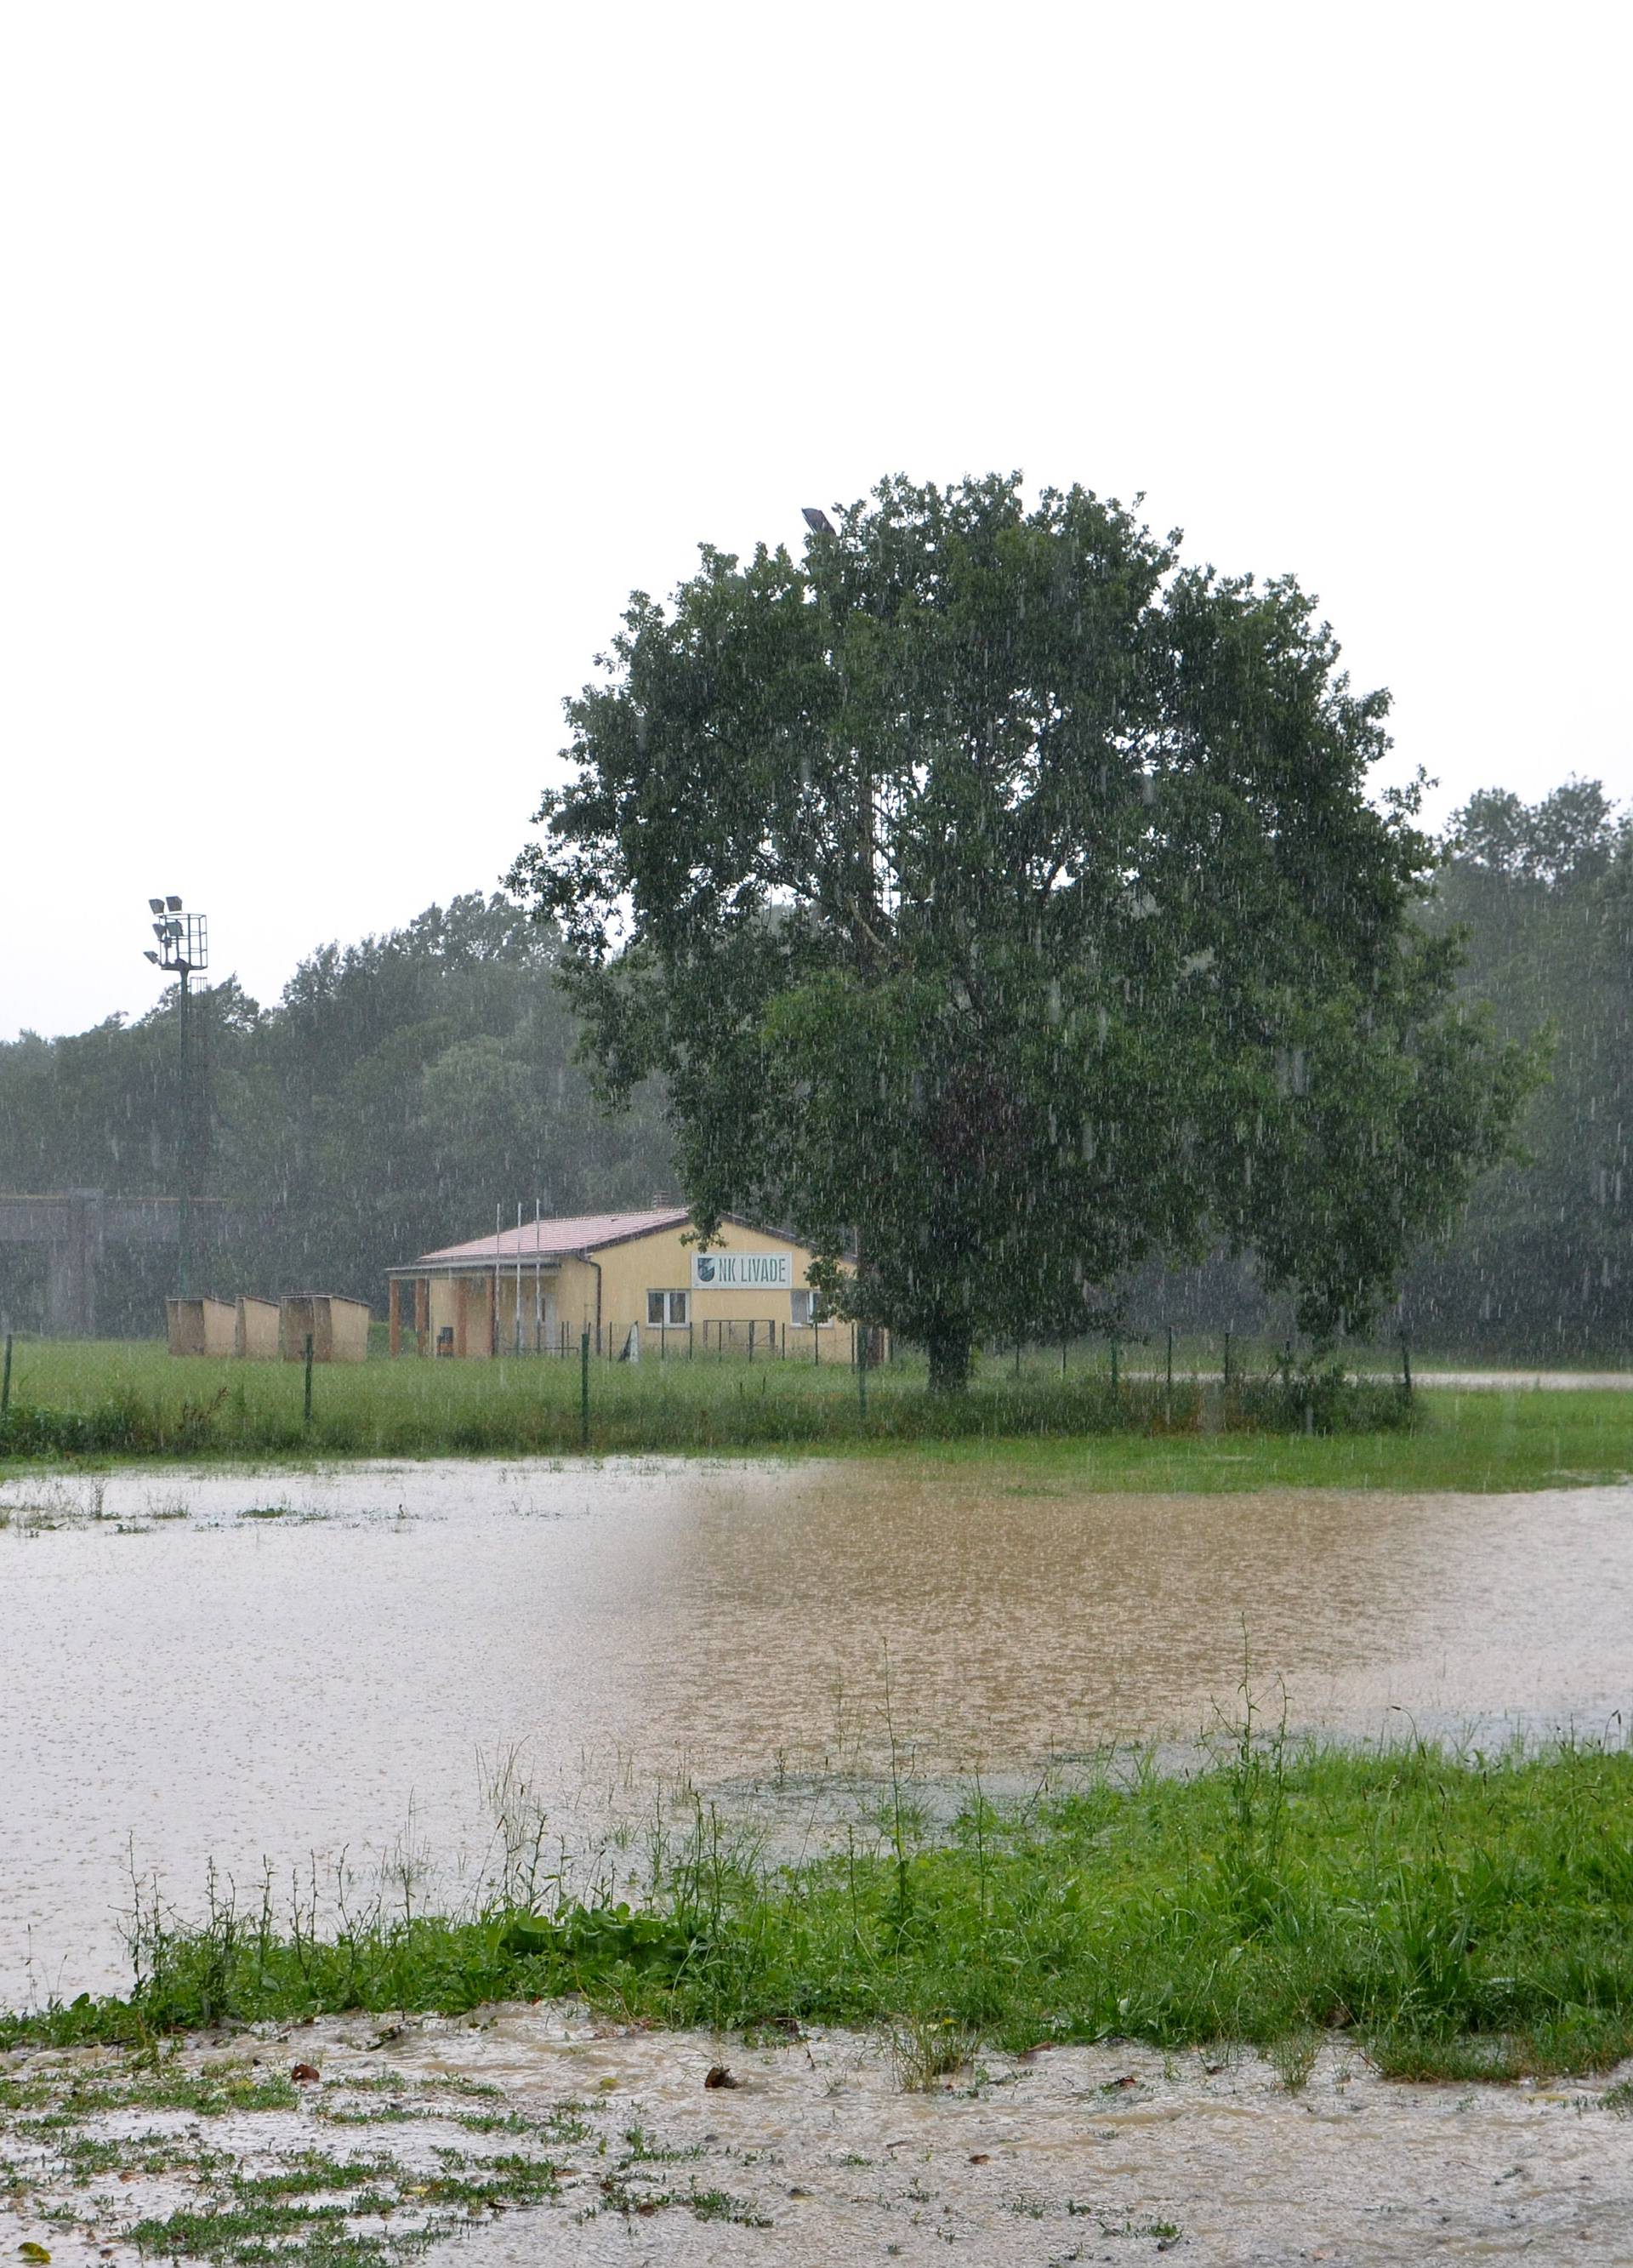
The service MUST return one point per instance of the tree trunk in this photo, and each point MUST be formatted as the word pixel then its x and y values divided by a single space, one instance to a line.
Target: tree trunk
pixel 949 1361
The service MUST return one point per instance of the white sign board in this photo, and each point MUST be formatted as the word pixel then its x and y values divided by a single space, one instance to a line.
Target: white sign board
pixel 742 1271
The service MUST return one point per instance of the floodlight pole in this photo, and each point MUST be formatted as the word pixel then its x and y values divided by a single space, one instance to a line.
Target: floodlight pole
pixel 184 1145
pixel 183 949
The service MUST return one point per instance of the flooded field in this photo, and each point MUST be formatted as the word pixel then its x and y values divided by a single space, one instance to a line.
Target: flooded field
pixel 303 1667
pixel 815 2154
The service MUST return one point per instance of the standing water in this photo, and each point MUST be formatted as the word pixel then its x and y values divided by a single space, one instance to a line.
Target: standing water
pixel 317 1666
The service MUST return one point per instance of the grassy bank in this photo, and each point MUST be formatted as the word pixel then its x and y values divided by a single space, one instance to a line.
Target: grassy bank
pixel 112 1400
pixel 1457 1918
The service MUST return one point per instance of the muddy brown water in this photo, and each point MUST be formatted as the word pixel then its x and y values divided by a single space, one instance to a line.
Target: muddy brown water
pixel 297 1667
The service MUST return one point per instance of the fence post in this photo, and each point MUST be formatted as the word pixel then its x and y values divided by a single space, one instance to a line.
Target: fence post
pixel 5 1382
pixel 306 1413
pixel 584 1389
pixel 1171 1360
pixel 862 1377
pixel 1114 1365
pixel 1227 1362
pixel 751 1338
pixel 1406 1366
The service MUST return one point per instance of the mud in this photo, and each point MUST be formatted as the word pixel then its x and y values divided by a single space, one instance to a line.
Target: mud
pixel 819 2154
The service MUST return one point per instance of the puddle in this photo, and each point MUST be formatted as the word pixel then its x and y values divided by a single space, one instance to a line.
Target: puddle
pixel 304 1669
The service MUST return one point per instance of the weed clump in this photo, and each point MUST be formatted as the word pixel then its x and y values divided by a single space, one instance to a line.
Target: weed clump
pixel 1458 1915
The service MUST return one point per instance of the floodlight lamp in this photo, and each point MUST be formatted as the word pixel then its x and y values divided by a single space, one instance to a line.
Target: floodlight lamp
pixel 152 956
pixel 156 905
pixel 817 520
pixel 161 931
pixel 174 904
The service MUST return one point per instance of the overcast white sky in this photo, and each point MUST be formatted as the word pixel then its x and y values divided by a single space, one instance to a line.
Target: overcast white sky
pixel 359 358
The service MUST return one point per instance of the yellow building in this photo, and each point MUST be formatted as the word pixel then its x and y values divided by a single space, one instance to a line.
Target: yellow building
pixel 631 1279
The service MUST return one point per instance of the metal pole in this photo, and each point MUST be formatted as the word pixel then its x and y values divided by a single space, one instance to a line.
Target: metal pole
pixel 584 1389
pixel 5 1382
pixel 307 1410
pixel 862 1376
pixel 1406 1365
pixel 184 1147
pixel 1171 1358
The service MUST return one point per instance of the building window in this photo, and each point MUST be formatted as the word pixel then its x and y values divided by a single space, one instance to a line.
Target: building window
pixel 805 1309
pixel 667 1307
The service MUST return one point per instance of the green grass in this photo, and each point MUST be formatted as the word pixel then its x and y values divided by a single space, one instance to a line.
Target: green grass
pixel 103 1398
pixel 1458 1917
pixel 108 1401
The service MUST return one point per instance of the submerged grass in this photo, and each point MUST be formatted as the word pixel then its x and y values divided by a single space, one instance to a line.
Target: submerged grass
pixel 1460 1916
pixel 108 1403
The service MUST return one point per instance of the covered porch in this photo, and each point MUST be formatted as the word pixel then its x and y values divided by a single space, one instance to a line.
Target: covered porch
pixel 503 1308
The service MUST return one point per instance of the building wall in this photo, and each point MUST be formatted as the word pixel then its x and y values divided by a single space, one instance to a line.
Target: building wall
pixel 256 1330
pixel 468 1305
pixel 200 1326
pixel 662 1262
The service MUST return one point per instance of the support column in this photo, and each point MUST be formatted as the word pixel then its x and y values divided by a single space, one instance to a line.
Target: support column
pixel 493 1311
pixel 461 1298
pixel 422 1312
pixel 394 1318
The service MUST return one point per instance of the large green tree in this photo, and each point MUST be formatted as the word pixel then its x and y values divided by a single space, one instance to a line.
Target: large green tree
pixel 995 891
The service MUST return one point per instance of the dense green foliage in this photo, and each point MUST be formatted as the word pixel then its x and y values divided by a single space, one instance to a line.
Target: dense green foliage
pixel 401 1090
pixel 405 1086
pixel 1458 1915
pixel 1542 1256
pixel 994 888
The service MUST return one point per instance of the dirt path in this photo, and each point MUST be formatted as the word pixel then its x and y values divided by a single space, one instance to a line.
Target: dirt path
pixel 536 2136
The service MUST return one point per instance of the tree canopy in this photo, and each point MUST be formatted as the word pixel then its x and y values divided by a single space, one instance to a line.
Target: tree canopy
pixel 403 1087
pixel 1543 893
pixel 996 892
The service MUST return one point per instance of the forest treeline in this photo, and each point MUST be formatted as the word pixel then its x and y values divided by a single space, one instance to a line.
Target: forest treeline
pixel 401 1090
pixel 406 1087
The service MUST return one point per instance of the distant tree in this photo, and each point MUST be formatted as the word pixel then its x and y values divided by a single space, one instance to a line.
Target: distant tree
pixel 1543 894
pixel 402 1089
pixel 1568 837
pixel 991 888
